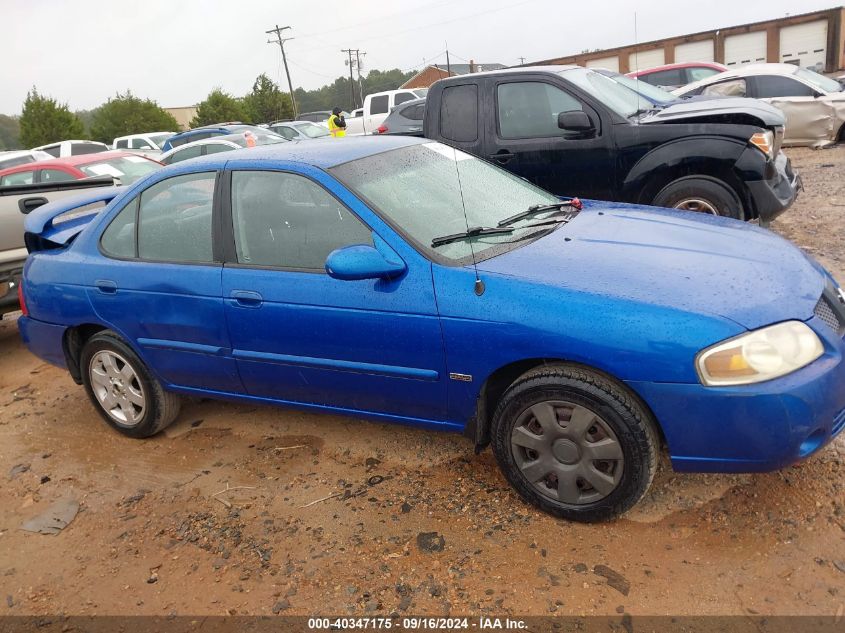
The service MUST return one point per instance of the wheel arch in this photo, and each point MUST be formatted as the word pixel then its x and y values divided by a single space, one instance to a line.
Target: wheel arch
pixel 72 343
pixel 497 383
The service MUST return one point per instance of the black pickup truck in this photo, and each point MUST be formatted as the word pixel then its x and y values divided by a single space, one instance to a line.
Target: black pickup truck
pixel 576 132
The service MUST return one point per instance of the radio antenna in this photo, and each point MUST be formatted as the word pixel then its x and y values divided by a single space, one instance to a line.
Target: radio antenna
pixel 479 285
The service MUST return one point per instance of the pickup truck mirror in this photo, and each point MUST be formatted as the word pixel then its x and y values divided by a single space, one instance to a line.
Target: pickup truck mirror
pixel 361 262
pixel 574 121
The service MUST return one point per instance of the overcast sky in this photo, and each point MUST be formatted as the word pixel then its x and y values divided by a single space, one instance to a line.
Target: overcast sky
pixel 176 51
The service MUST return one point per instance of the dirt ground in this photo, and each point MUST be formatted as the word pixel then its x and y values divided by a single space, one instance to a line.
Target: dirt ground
pixel 157 532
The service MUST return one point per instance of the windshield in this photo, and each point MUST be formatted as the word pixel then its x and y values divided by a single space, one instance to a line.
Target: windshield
pixel 416 190
pixel 311 130
pixel 656 95
pixel 822 83
pixel 127 168
pixel 159 139
pixel 614 95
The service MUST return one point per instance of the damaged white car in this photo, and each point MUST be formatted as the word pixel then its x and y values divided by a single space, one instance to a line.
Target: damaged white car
pixel 814 105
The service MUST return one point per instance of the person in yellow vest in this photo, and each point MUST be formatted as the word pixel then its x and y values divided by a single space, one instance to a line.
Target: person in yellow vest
pixel 337 124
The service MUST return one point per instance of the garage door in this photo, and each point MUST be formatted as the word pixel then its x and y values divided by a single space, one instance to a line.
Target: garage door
pixel 748 48
pixel 804 44
pixel 611 63
pixel 694 52
pixel 645 59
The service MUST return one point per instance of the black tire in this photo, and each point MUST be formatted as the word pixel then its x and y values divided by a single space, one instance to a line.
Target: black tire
pixel 620 414
pixel 684 192
pixel 159 408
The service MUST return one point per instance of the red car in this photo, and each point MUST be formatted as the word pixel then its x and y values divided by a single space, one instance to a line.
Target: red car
pixel 673 76
pixel 124 165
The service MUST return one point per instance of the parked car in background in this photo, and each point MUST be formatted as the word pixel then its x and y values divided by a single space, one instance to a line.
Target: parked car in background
pixel 376 108
pixel 406 118
pixel 671 76
pixel 341 277
pixel 13 158
pixel 575 132
pixel 149 144
pixel 318 116
pixel 299 130
pixel 814 105
pixel 209 131
pixel 125 167
pixel 219 144
pixel 64 149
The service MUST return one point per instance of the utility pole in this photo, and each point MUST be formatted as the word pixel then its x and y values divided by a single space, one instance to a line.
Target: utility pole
pixel 360 84
pixel 448 66
pixel 349 63
pixel 521 61
pixel 281 42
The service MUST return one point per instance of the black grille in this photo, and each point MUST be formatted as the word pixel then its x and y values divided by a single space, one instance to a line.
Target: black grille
pixel 824 312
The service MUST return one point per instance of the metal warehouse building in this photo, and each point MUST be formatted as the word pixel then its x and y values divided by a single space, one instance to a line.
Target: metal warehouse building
pixel 812 40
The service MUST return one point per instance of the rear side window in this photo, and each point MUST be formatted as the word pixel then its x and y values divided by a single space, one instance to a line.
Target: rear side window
pixel 55 175
pixel 174 219
pixel 414 112
pixel 459 113
pixel 769 86
pixel 673 77
pixel 288 221
pixel 216 148
pixel 184 154
pixel 53 150
pixel 379 104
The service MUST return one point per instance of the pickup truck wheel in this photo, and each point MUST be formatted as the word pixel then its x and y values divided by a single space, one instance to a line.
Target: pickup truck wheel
pixel 703 195
pixel 574 443
pixel 123 390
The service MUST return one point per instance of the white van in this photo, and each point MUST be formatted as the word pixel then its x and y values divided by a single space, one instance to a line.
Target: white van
pixel 376 108
pixel 149 143
pixel 64 149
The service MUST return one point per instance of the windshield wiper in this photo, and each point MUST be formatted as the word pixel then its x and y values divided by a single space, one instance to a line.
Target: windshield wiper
pixel 575 203
pixel 471 232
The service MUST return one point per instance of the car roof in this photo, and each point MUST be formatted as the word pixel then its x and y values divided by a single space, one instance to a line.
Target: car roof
pixel 70 161
pixel 738 73
pixel 322 153
pixel 655 69
pixel 549 68
pixel 142 134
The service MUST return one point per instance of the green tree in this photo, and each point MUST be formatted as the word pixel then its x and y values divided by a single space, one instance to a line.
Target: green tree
pixel 43 121
pixel 266 102
pixel 219 107
pixel 338 93
pixel 10 130
pixel 128 114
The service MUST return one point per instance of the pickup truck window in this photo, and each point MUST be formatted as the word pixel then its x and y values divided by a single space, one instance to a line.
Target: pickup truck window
pixel 459 113
pixel 379 104
pixel 122 144
pixel 529 109
pixel 402 97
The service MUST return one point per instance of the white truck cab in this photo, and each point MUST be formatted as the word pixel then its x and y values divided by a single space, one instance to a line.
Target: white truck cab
pixel 376 108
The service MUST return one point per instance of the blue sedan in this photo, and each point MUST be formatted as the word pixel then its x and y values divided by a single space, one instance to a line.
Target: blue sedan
pixel 404 281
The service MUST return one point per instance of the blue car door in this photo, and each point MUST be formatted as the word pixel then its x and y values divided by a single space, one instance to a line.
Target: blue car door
pixel 162 286
pixel 301 336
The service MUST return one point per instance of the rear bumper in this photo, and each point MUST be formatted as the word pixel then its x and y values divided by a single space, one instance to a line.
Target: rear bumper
pixel 777 190
pixel 45 340
pixel 754 428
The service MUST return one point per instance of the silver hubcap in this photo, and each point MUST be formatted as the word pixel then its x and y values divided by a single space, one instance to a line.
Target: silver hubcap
pixel 117 388
pixel 567 452
pixel 696 204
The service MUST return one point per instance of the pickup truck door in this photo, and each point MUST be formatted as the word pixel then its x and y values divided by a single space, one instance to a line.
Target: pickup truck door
pixel 522 135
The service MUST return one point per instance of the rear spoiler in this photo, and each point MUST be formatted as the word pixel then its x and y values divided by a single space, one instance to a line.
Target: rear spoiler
pixel 56 223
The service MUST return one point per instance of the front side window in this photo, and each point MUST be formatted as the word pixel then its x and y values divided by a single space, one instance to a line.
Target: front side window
pixel 79 149
pixel 459 113
pixel 529 109
pixel 184 154
pixel 20 178
pixel 771 86
pixel 418 192
pixel 175 219
pixel 671 77
pixel 216 148
pixel 732 88
pixel 288 221
pixel 118 239
pixel 55 175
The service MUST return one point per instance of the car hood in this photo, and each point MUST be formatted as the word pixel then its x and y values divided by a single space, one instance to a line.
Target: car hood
pixel 680 260
pixel 721 109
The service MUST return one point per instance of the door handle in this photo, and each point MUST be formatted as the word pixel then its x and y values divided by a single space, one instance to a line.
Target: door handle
pixel 106 286
pixel 246 298
pixel 31 204
pixel 502 156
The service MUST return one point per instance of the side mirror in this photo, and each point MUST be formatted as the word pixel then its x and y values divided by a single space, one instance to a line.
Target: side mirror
pixel 351 263
pixel 574 121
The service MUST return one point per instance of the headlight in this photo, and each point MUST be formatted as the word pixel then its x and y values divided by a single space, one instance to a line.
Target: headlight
pixel 765 142
pixel 761 355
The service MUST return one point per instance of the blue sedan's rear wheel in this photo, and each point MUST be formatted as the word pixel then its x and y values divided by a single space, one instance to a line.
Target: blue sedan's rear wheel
pixel 123 390
pixel 574 443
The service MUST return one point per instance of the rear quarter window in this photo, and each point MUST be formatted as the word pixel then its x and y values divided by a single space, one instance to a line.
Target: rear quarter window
pixel 459 113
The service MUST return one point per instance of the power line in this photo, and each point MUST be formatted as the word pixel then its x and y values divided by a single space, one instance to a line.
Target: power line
pixel 281 43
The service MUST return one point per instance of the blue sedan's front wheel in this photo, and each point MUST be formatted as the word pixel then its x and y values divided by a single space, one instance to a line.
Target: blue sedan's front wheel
pixel 574 443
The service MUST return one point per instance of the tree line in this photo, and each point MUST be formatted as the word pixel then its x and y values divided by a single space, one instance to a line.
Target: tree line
pixel 44 120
